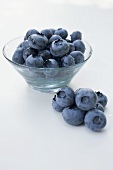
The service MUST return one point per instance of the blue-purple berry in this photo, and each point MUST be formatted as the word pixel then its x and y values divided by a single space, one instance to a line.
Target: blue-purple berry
pixel 72 47
pixel 85 99
pixel 79 45
pixel 30 32
pixel 56 106
pixel 18 56
pixel 45 54
pixel 62 32
pixel 76 35
pixel 38 41
pixel 36 61
pixel 51 63
pixel 53 30
pixel 59 48
pixel 78 56
pixel 47 32
pixel 54 37
pixel 95 120
pixel 29 51
pixel 73 115
pixel 67 60
pixel 102 98
pixel 65 96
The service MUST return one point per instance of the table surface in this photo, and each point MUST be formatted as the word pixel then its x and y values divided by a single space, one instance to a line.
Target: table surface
pixel 32 135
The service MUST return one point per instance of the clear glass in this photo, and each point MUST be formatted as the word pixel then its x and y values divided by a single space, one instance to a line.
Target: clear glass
pixel 36 77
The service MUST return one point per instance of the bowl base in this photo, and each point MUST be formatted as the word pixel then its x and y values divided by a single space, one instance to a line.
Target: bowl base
pixel 45 90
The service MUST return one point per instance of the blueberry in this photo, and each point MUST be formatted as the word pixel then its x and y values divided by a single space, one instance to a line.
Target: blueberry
pixel 62 32
pixel 47 32
pixel 54 37
pixel 56 106
pixel 38 41
pixel 78 56
pixel 58 59
pixel 67 60
pixel 52 29
pixel 99 107
pixel 73 115
pixel 71 48
pixel 28 51
pixel 36 61
pixel 85 98
pixel 45 54
pixel 65 96
pixel 51 63
pixel 59 48
pixel 79 45
pixel 25 44
pixel 18 56
pixel 76 35
pixel 95 120
pixel 102 98
pixel 30 32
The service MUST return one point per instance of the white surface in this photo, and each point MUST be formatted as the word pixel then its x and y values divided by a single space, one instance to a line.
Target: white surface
pixel 32 135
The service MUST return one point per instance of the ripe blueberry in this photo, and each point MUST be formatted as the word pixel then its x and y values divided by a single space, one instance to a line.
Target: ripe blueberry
pixel 95 120
pixel 85 98
pixel 65 96
pixel 73 115
pixel 59 48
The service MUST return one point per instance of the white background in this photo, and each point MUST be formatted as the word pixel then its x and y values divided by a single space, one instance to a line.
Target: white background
pixel 32 135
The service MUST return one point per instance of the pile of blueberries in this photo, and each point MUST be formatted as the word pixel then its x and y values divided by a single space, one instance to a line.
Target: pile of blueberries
pixel 50 48
pixel 81 106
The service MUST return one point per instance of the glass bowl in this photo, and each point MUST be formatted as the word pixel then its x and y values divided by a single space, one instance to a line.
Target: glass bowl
pixel 37 78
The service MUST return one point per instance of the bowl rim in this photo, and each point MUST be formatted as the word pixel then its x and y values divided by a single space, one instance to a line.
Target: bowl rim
pixel 36 68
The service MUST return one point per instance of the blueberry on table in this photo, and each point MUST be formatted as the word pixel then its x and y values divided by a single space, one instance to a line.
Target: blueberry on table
pixel 95 120
pixel 59 48
pixel 85 98
pixel 38 41
pixel 65 96
pixel 79 45
pixel 30 32
pixel 36 61
pixel 18 56
pixel 78 56
pixel 102 98
pixel 67 60
pixel 76 35
pixel 73 115
pixel 47 32
pixel 62 32
pixel 56 106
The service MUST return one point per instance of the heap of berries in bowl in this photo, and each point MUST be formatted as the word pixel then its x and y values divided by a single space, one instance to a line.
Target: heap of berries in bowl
pixel 48 59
